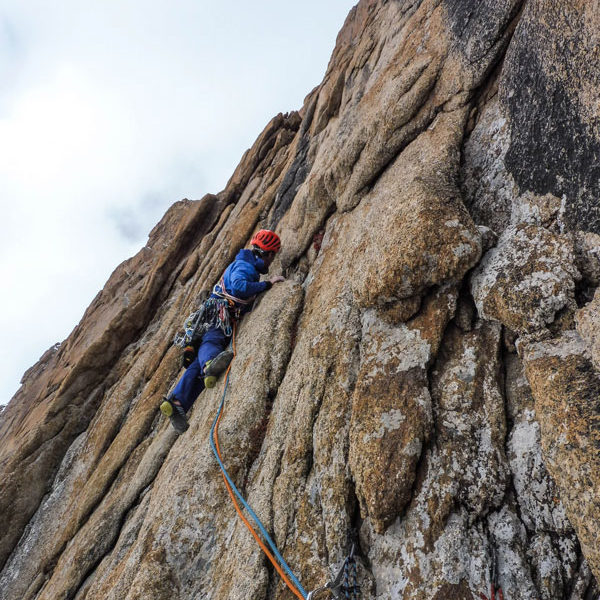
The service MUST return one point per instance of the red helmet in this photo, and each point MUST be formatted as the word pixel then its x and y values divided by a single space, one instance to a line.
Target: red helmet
pixel 266 240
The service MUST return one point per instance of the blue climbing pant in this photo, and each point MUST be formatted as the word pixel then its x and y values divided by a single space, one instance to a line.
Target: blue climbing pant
pixel 190 385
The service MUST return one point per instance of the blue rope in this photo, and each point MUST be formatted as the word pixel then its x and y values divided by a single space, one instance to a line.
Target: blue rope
pixel 245 504
pixel 346 586
pixel 354 581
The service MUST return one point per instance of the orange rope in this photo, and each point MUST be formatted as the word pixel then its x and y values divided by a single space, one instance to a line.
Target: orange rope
pixel 239 510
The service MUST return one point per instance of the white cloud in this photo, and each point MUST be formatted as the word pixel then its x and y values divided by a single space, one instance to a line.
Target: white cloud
pixel 110 112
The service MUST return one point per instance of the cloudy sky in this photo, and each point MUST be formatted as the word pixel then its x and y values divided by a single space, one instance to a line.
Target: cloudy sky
pixel 110 111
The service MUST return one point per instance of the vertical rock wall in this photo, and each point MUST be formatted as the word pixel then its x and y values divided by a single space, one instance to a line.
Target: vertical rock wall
pixel 424 384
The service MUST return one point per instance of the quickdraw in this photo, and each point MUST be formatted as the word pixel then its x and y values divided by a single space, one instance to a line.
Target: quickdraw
pixel 214 312
pixel 494 587
pixel 345 585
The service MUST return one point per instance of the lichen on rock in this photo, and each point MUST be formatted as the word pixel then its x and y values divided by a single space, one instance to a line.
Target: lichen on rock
pixel 566 390
pixel 526 279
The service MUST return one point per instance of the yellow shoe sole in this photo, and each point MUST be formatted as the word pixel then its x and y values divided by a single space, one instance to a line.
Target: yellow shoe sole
pixel 210 381
pixel 166 408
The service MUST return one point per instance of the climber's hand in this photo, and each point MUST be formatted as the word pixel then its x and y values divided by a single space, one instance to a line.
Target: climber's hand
pixel 277 279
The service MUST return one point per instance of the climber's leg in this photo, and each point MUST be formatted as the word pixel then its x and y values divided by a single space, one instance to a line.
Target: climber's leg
pixel 213 355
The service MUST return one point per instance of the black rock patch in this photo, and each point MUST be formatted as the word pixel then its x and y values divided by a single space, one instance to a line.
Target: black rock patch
pixel 553 149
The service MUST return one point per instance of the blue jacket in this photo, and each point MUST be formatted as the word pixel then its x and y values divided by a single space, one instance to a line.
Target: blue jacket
pixel 242 276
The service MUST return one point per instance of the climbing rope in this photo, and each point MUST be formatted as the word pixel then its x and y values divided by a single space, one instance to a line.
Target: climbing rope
pixel 350 587
pixel 348 573
pixel 290 579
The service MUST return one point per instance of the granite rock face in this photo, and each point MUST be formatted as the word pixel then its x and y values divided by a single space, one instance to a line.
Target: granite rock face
pixel 526 279
pixel 566 389
pixel 425 382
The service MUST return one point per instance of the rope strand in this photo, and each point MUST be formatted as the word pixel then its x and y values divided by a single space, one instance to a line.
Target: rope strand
pixel 294 585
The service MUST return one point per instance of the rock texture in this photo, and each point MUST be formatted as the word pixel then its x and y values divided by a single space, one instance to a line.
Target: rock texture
pixel 425 384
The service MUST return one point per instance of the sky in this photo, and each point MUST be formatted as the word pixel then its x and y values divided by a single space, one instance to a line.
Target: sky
pixel 110 111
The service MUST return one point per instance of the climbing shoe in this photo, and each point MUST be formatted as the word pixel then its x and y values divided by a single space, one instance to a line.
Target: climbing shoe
pixel 215 367
pixel 176 415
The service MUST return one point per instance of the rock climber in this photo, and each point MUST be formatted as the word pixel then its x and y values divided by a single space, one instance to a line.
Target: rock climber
pixel 231 297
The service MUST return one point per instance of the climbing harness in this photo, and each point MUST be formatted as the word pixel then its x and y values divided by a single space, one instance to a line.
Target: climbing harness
pixel 345 582
pixel 221 311
pixel 494 587
pixel 235 304
pixel 214 312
